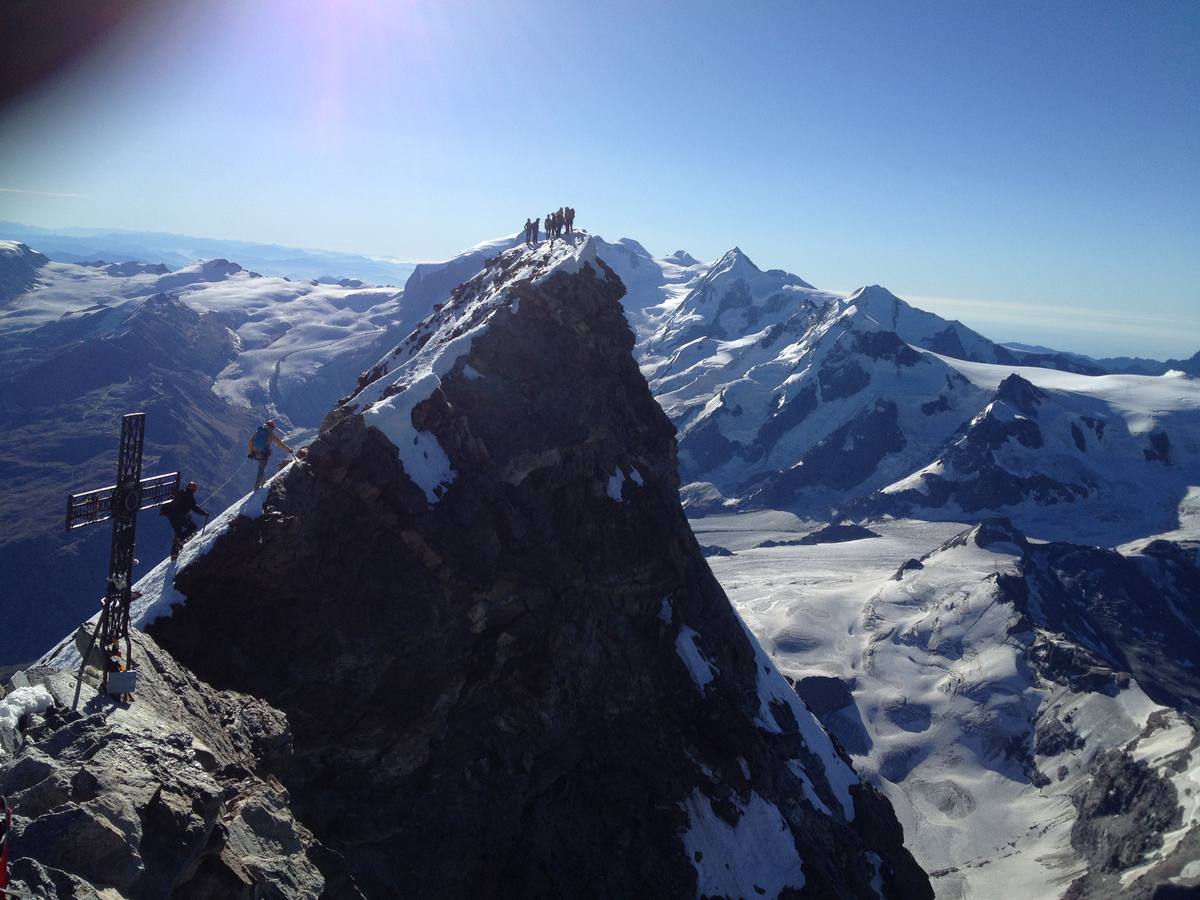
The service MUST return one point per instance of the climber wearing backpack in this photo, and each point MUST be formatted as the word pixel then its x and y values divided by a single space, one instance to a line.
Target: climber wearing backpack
pixel 178 511
pixel 260 449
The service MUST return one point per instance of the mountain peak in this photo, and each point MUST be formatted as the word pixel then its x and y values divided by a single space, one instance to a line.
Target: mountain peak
pixel 1020 393
pixel 874 293
pixel 18 268
pixel 683 258
pixel 733 260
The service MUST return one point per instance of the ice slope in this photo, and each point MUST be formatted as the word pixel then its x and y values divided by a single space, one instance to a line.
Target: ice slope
pixel 924 677
pixel 154 594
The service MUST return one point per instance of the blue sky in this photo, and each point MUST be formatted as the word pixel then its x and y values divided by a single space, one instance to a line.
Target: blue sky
pixel 1031 168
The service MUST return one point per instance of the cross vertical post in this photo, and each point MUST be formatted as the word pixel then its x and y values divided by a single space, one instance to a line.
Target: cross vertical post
pixel 121 503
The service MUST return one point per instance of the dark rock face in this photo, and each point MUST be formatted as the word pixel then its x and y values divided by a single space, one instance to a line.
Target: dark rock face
pixel 1123 811
pixel 706 448
pixel 837 533
pixel 1055 737
pixel 1159 449
pixel 792 414
pixel 491 693
pixel 1020 393
pixel 171 797
pixel 1139 612
pixel 849 455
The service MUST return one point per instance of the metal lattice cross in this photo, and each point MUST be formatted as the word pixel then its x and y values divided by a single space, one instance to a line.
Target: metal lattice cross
pixel 121 503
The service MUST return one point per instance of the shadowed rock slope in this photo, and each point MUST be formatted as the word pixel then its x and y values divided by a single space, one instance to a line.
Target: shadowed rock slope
pixel 507 667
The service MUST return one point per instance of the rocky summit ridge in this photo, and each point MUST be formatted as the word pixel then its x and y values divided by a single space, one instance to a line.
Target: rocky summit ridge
pixel 504 665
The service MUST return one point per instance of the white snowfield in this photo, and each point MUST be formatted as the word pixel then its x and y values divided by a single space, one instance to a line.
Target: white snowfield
pixel 284 330
pixel 942 696
pixel 733 859
pixel 22 701
pixel 1143 401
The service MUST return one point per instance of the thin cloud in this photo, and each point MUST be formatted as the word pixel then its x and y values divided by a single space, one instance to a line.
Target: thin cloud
pixel 7 190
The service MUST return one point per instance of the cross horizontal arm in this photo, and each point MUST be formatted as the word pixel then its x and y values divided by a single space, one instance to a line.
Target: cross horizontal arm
pixel 92 507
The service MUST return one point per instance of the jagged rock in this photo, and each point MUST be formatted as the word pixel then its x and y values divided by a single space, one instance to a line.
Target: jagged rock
pixel 1138 611
pixel 1054 737
pixel 482 632
pixel 838 532
pixel 910 565
pixel 1123 811
pixel 154 799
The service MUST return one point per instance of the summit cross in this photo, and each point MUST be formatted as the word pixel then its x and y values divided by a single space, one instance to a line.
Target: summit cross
pixel 121 503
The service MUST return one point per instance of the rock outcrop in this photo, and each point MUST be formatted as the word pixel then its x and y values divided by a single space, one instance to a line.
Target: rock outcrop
pixel 168 796
pixel 506 667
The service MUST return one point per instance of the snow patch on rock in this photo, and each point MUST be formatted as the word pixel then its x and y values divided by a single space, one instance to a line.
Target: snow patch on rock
pixel 22 701
pixel 755 857
pixel 616 481
pixel 774 688
pixel 702 671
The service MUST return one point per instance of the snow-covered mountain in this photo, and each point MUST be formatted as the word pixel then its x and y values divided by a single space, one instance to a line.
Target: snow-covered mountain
pixel 1099 459
pixel 924 329
pixel 788 395
pixel 481 609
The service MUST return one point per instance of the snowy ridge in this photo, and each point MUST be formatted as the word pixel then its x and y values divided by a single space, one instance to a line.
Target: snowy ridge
pixel 412 372
pixel 927 330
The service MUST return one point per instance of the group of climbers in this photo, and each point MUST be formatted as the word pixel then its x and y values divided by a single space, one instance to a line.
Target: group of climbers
pixel 178 510
pixel 557 224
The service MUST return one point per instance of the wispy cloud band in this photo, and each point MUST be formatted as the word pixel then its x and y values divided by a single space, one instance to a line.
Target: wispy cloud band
pixel 8 190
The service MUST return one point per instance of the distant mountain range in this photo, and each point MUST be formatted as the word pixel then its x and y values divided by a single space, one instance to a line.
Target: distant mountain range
pixel 174 250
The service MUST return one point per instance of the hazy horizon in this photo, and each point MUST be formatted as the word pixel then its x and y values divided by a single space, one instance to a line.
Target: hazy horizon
pixel 1028 169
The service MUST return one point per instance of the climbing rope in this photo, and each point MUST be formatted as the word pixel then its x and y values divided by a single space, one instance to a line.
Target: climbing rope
pixel 229 479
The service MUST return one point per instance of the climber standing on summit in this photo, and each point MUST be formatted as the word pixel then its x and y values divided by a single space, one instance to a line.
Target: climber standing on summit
pixel 178 511
pixel 260 449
